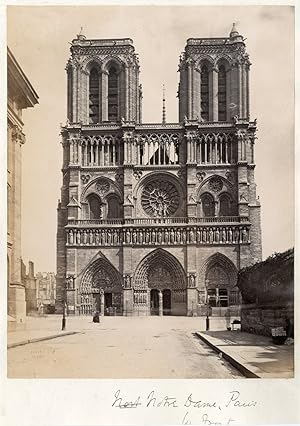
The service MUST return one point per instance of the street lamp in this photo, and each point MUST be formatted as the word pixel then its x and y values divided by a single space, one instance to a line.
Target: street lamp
pixel 207 305
pixel 63 325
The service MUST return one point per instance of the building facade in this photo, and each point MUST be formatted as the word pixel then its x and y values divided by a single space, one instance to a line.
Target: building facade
pixel 20 95
pixel 156 218
pixel 46 291
pixel 30 283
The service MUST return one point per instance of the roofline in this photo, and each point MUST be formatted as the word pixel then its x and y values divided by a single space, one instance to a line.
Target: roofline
pixel 27 88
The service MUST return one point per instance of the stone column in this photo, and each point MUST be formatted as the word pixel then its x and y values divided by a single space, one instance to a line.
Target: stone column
pixel 160 303
pixel 126 92
pixel 101 302
pixel 244 91
pixel 217 296
pixel 215 94
pixel 240 112
pixel 104 89
pixel 190 92
pixel 74 94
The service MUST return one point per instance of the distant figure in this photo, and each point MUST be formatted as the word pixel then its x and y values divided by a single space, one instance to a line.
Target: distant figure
pixel 96 317
pixel 289 328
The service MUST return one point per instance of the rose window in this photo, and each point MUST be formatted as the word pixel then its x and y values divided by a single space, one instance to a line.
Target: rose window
pixel 160 198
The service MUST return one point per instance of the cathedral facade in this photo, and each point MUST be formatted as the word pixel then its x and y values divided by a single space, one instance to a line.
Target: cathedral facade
pixel 156 219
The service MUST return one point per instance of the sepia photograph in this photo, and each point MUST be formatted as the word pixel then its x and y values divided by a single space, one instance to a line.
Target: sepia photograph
pixel 150 192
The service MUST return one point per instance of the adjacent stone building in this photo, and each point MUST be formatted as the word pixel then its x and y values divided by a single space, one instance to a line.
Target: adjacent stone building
pixel 46 291
pixel 20 95
pixel 268 293
pixel 156 218
pixel 30 283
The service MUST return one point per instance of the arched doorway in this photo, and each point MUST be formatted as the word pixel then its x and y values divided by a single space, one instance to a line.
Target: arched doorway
pixel 163 277
pixel 217 286
pixel 101 289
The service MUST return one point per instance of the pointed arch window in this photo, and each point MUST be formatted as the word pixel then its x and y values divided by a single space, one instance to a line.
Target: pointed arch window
pixel 113 95
pixel 208 205
pixel 113 207
pixel 222 93
pixel 204 93
pixel 95 207
pixel 94 96
pixel 225 205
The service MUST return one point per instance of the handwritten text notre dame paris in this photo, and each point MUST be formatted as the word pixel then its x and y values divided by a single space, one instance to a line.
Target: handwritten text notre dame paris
pixel 191 408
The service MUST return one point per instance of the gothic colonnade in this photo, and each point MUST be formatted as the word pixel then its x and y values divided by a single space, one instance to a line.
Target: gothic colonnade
pixel 209 148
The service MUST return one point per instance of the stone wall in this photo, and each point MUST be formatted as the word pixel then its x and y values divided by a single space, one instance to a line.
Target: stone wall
pixel 261 319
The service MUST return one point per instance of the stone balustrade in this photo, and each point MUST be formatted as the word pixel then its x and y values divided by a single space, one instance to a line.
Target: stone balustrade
pixel 158 221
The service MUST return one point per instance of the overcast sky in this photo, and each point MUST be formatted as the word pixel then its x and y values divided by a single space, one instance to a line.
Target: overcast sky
pixel 39 38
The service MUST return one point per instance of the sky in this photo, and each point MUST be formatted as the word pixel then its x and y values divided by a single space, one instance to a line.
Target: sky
pixel 39 37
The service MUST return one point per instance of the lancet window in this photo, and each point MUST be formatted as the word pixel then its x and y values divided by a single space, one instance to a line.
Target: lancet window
pixel 208 205
pixel 94 96
pixel 225 205
pixel 95 206
pixel 204 93
pixel 222 93
pixel 113 96
pixel 113 207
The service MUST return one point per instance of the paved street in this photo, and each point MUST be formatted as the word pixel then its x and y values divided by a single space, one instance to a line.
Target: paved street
pixel 120 347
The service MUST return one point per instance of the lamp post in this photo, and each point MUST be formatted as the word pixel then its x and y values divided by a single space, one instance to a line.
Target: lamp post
pixel 207 305
pixel 63 325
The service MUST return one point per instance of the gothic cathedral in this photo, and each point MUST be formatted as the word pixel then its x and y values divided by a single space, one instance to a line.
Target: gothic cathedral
pixel 156 219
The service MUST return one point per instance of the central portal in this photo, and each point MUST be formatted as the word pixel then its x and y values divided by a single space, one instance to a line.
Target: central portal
pixel 166 302
pixel 160 276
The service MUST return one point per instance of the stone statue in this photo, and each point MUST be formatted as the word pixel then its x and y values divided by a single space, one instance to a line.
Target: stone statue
pixel 97 237
pixel 217 235
pixel 134 237
pixel 115 237
pixel 172 236
pixel 91 237
pixel 128 236
pixel 71 237
pixel 236 235
pixel 153 237
pixel 84 237
pixel 230 235
pixel 211 235
pixel 78 237
pixel 166 236
pixel 141 237
pixel 191 235
pixel 147 237
pixel 223 235
pixel 159 237
pixel 192 280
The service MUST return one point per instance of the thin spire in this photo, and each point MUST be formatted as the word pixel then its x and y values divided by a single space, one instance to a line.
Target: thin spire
pixel 81 36
pixel 234 32
pixel 164 107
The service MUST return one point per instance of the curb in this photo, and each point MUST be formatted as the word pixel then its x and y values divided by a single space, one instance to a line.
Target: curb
pixel 40 339
pixel 239 366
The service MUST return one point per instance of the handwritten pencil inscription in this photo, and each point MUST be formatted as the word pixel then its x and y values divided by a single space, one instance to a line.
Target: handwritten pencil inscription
pixel 192 409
